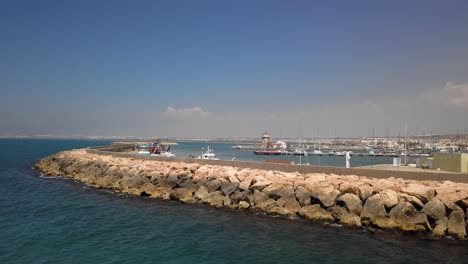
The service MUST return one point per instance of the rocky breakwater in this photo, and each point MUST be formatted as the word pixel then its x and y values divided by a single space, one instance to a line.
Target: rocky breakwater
pixel 437 209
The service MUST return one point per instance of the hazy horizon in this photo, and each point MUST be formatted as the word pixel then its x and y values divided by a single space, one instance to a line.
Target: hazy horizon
pixel 209 69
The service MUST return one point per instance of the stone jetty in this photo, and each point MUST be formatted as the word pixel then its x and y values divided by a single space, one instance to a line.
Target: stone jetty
pixel 437 209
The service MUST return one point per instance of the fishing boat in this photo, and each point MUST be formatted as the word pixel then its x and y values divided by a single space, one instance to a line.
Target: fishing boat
pixel 268 152
pixel 143 150
pixel 161 149
pixel 208 154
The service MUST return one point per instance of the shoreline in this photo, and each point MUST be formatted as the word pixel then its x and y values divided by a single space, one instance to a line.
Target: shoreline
pixel 434 209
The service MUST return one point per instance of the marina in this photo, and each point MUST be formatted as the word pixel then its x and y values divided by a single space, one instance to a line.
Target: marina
pixel 355 153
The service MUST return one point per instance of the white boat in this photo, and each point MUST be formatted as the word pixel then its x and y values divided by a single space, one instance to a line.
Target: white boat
pixel 143 150
pixel 340 153
pixel 208 154
pixel 317 152
pixel 299 152
pixel 166 154
pixel 143 153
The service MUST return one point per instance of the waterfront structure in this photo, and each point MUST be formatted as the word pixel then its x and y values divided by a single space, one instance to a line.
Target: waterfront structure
pixel 271 188
pixel 266 140
pixel 453 162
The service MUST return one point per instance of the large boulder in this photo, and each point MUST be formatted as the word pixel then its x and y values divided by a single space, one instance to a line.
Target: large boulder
pixel 162 192
pixel 402 208
pixel 260 183
pixel 279 210
pixel 201 193
pixel 106 182
pixel 441 226
pixel 411 199
pixel 316 213
pixel 349 187
pixel 213 185
pixel 350 219
pixel 385 222
pixel 408 218
pixel 238 196
pixel 422 192
pixel 245 184
pixel 389 198
pixel 420 219
pixel 215 199
pixel 365 191
pixel 326 196
pixel 259 197
pixel 229 187
pixel 182 194
pixel 278 190
pixel 373 207
pixel 244 205
pixel 172 179
pixel 302 195
pixel 435 209
pixel 337 211
pixel 351 202
pixel 149 189
pixel 266 205
pixel 132 185
pixel 456 224
pixel 228 202
pixel 289 204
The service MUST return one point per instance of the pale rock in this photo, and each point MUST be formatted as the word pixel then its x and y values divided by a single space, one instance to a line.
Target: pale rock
pixel 182 194
pixel 244 205
pixel 435 209
pixel 259 197
pixel 315 213
pixel 302 195
pixel 350 219
pixel 441 227
pixel 327 198
pixel 351 202
pixel 266 205
pixel 456 224
pixel 411 199
pixel 422 192
pixel 229 187
pixel 365 191
pixel 213 185
pixel 245 184
pixel 337 211
pixel 278 190
pixel 289 204
pixel 201 193
pixel 260 184
pixel 373 207
pixel 214 199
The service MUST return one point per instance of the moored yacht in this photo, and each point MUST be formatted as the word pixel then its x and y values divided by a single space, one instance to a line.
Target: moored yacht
pixel 208 154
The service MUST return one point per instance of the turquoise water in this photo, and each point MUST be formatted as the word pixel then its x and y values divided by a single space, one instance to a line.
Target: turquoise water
pixel 225 151
pixel 54 220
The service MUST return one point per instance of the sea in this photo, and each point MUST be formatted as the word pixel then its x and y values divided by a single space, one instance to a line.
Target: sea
pixel 47 219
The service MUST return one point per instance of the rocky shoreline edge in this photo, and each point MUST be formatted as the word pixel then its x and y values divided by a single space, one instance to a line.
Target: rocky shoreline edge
pixel 436 209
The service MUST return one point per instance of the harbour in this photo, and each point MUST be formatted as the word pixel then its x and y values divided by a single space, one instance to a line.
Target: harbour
pixel 58 220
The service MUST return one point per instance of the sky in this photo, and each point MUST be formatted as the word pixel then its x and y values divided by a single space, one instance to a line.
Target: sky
pixel 233 68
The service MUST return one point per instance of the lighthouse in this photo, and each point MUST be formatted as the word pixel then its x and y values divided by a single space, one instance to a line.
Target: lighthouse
pixel 265 139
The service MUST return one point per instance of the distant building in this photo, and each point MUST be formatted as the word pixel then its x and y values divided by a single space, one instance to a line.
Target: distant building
pixel 453 162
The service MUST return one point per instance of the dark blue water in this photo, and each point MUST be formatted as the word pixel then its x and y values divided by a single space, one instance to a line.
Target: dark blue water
pixel 51 220
pixel 226 152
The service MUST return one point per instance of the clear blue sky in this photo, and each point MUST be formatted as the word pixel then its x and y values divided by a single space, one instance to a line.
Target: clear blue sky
pixel 111 67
